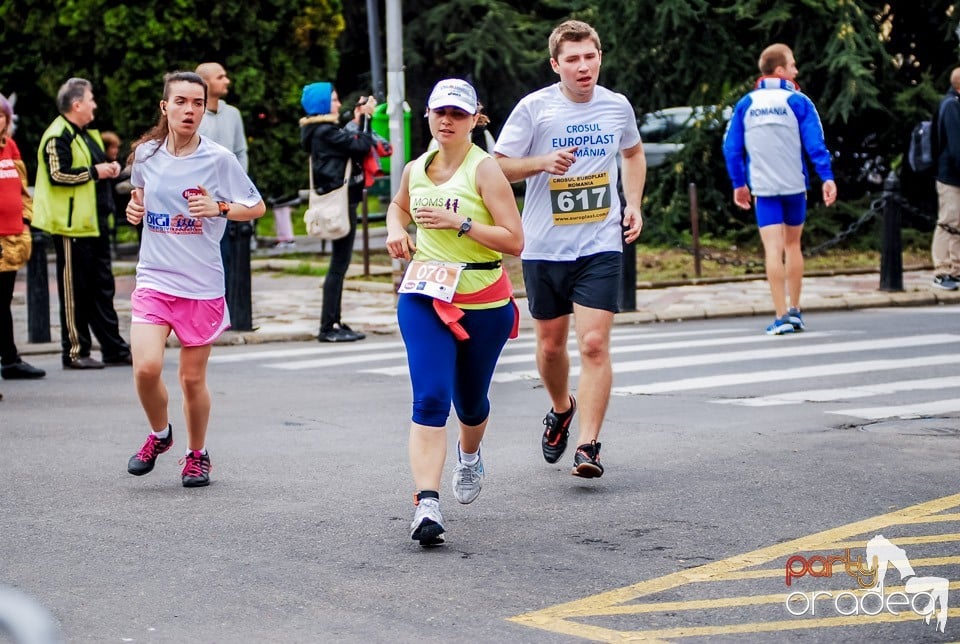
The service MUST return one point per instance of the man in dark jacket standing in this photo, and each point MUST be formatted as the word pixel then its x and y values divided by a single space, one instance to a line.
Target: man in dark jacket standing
pixel 331 148
pixel 946 244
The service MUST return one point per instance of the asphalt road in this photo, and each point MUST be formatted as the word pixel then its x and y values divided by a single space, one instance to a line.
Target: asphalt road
pixel 715 477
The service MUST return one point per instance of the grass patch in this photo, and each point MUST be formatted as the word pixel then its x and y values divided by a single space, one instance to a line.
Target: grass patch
pixel 668 264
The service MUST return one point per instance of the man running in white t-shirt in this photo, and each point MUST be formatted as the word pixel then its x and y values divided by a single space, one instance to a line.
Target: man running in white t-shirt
pixel 564 140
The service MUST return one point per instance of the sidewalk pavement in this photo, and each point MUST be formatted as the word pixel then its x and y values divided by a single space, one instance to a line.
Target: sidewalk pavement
pixel 286 307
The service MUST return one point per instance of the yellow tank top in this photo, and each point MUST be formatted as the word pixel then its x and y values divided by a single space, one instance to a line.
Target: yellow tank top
pixel 459 194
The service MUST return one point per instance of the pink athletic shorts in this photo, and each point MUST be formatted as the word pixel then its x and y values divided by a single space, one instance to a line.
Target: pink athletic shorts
pixel 196 322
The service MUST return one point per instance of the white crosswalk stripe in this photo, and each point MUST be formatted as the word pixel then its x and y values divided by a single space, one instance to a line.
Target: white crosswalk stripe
pixel 776 352
pixel 914 410
pixel 615 349
pixel 796 373
pixel 843 393
pixel 721 358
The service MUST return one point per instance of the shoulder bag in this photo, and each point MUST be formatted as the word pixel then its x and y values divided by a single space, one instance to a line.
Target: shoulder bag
pixel 328 216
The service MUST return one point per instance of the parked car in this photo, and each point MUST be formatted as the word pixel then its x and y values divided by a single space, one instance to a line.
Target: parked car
pixel 662 130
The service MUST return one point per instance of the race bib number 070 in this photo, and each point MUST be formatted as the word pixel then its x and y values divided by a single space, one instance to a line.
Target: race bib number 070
pixel 436 279
pixel 580 200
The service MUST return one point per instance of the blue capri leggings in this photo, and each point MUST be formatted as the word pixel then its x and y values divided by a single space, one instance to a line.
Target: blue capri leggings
pixel 443 369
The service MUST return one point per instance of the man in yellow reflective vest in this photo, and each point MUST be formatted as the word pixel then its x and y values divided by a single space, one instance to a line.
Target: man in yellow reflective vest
pixel 72 202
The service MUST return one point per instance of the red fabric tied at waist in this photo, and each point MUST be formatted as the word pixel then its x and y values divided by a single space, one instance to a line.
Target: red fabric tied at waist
pixel 499 290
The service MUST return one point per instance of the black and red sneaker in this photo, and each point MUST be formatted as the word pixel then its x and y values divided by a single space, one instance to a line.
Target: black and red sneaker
pixel 143 461
pixel 586 462
pixel 196 469
pixel 557 430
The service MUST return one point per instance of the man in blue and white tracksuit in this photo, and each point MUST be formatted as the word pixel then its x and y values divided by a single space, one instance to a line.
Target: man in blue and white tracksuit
pixel 775 124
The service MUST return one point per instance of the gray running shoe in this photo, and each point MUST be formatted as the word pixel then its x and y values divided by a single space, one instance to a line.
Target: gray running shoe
pixel 427 526
pixel 467 479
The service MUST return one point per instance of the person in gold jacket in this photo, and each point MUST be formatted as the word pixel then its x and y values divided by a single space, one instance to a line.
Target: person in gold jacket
pixel 16 211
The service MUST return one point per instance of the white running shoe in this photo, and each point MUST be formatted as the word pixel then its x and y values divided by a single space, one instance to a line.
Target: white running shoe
pixel 427 526
pixel 467 479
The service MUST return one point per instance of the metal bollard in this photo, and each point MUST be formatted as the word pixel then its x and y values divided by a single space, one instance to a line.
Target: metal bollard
pixel 365 222
pixel 695 227
pixel 238 276
pixel 38 289
pixel 891 254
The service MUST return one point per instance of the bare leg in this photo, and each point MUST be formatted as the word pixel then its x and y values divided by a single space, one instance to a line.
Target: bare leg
pixel 470 437
pixel 428 451
pixel 596 372
pixel 196 396
pixel 793 253
pixel 147 345
pixel 553 361
pixel 773 242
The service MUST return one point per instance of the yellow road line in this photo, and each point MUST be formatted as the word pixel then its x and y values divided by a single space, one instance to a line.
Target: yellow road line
pixel 557 618
pixel 769 627
pixel 919 562
pixel 726 602
pixel 901 541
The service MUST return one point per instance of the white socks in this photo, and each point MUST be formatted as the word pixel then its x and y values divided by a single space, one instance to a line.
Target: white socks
pixel 468 459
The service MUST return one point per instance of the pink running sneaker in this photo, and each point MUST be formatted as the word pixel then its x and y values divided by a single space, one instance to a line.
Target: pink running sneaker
pixel 143 461
pixel 196 469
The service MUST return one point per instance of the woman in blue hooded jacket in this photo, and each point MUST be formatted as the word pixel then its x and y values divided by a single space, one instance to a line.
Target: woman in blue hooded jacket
pixel 330 147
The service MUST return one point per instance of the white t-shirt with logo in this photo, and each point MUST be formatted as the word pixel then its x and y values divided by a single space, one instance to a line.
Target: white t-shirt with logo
pixel 577 214
pixel 180 254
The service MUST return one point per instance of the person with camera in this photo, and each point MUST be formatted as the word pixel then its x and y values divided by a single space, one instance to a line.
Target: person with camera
pixel 331 148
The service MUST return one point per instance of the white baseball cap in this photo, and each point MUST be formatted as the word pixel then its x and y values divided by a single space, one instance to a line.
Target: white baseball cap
pixel 454 92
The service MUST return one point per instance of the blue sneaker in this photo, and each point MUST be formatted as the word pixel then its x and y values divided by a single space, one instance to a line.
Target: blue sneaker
pixel 796 318
pixel 780 326
pixel 946 282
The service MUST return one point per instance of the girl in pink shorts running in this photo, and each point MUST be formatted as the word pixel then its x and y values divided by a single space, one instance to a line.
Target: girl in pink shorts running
pixel 186 188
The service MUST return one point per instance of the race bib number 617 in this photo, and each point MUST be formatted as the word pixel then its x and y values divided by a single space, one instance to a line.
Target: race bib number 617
pixel 580 200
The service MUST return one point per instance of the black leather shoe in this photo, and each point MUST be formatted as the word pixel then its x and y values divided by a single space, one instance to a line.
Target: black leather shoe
pixel 124 360
pixel 83 362
pixel 21 371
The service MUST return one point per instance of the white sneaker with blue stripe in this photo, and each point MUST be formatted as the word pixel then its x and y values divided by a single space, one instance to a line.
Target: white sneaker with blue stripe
pixel 796 318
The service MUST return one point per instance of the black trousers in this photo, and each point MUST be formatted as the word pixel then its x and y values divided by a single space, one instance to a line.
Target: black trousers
pixel 86 289
pixel 8 349
pixel 340 255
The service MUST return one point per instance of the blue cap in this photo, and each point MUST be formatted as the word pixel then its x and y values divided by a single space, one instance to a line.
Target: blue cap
pixel 316 98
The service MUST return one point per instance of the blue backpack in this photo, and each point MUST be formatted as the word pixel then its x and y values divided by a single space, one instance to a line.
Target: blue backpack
pixel 922 155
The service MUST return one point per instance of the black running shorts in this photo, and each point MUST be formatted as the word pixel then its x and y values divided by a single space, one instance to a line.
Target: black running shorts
pixel 553 288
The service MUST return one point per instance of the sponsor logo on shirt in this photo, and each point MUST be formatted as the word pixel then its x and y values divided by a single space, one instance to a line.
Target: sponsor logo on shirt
pixel 176 225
